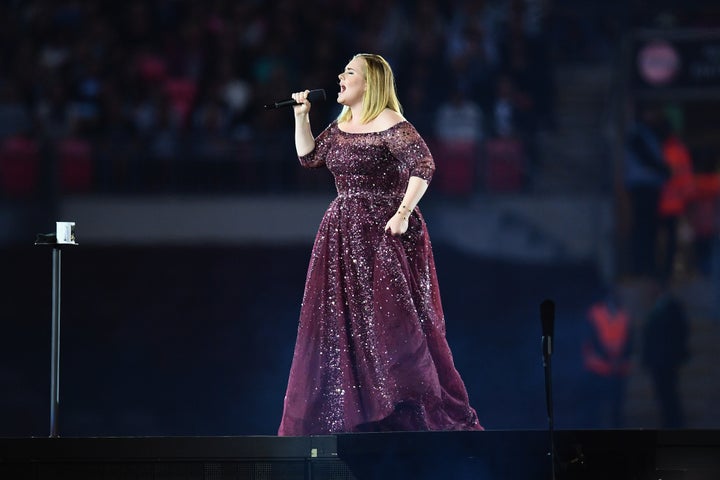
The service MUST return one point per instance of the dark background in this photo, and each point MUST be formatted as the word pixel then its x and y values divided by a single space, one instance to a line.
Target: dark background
pixel 198 341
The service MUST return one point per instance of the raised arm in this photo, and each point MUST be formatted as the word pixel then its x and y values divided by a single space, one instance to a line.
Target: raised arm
pixel 311 151
pixel 304 140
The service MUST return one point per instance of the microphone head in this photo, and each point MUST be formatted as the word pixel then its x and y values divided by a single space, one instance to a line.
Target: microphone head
pixel 547 317
pixel 316 95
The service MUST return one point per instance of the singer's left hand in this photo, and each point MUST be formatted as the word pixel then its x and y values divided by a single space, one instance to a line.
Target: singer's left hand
pixel 397 225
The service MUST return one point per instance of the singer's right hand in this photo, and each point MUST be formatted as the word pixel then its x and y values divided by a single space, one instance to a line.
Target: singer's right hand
pixel 301 97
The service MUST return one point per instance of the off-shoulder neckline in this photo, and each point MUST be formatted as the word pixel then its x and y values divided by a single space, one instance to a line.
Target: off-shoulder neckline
pixel 391 127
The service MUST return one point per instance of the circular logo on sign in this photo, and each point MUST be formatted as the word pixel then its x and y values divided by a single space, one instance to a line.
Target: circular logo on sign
pixel 658 62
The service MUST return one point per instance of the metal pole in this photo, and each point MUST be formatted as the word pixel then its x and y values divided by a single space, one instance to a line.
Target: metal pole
pixel 551 416
pixel 55 344
pixel 547 318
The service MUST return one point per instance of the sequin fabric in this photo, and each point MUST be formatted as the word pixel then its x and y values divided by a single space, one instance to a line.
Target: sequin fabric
pixel 371 352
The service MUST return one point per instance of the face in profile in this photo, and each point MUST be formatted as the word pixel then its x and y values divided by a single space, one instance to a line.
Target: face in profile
pixel 352 83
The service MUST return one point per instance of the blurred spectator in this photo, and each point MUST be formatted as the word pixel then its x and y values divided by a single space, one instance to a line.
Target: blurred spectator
pixel 674 197
pixel 645 174
pixel 164 143
pixel 210 144
pixel 665 350
pixel 458 138
pixel 234 91
pixel 506 160
pixel 606 351
pixel 511 109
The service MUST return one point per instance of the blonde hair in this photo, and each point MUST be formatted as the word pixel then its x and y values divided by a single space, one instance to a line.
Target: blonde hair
pixel 381 92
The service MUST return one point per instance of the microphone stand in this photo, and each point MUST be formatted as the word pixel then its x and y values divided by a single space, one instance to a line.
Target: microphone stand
pixel 547 315
pixel 51 241
pixel 547 364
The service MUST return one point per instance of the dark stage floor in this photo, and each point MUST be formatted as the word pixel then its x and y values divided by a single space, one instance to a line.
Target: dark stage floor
pixel 489 455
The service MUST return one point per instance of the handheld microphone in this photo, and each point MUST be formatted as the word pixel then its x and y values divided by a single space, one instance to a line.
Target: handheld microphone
pixel 547 318
pixel 313 96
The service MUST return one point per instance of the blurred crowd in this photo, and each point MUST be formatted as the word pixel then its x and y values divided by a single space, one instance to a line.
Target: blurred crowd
pixel 168 95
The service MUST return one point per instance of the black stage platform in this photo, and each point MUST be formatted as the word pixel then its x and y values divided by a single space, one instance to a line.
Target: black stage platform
pixel 489 455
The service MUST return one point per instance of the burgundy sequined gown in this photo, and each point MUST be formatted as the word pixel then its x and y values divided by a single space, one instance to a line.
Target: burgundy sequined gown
pixel 371 353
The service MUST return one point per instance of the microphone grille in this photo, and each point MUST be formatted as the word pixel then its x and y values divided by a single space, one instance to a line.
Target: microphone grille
pixel 315 95
pixel 547 316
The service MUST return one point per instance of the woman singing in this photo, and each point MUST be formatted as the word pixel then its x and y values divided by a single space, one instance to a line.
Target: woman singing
pixel 371 352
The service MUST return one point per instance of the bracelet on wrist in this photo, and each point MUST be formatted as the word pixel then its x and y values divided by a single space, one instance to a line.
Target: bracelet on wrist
pixel 406 213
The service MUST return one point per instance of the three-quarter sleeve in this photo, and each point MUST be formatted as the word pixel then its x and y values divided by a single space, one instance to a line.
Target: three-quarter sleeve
pixel 316 157
pixel 408 146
